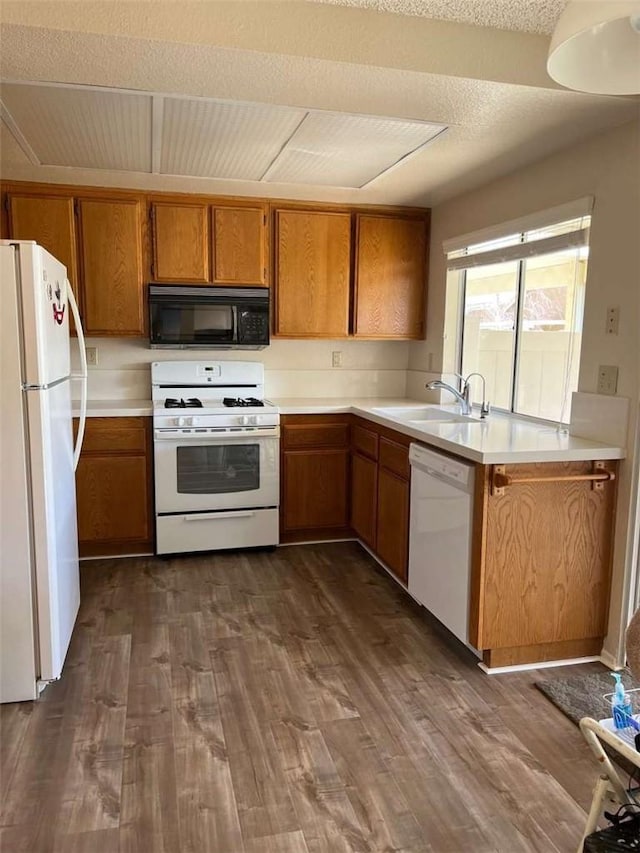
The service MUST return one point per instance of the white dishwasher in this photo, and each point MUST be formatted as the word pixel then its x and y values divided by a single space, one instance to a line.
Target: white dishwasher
pixel 440 536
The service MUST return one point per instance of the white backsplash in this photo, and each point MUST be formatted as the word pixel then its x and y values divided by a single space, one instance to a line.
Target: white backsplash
pixel 600 418
pixel 292 368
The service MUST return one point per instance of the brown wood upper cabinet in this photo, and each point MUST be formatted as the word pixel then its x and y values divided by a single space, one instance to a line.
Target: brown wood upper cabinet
pixel 390 276
pixel 240 245
pixel 112 268
pixel 180 242
pixel 312 267
pixel 50 221
pixel 200 243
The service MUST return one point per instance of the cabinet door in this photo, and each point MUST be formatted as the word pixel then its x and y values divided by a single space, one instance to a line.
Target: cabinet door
pixel 313 252
pixel 393 522
pixel 239 246
pixel 546 562
pixel 113 487
pixel 315 484
pixel 180 242
pixel 111 254
pixel 50 221
pixel 364 489
pixel 104 515
pixel 390 276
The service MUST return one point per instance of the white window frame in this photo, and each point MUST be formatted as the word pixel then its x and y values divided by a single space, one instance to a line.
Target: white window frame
pixel 464 253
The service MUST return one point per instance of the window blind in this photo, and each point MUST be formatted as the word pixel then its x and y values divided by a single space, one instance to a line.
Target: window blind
pixel 540 233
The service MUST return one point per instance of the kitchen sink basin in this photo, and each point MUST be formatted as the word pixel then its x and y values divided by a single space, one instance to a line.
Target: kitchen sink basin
pixel 417 415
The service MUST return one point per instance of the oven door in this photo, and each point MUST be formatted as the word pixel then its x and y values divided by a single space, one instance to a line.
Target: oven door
pixel 196 473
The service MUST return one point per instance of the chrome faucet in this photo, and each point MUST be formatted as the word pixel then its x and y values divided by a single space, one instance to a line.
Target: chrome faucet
pixel 464 395
pixel 463 398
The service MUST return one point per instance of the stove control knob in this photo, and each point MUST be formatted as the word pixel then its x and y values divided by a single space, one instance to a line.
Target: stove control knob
pixel 244 420
pixel 181 421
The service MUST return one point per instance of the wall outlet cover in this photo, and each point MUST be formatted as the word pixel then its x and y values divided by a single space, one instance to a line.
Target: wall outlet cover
pixel 336 358
pixel 607 379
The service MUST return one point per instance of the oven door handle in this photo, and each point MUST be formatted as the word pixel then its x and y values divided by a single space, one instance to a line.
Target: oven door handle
pixel 213 516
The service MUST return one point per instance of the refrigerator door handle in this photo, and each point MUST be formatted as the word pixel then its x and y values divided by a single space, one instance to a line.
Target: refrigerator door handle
pixel 82 376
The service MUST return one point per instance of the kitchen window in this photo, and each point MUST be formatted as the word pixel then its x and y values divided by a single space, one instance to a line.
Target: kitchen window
pixel 521 304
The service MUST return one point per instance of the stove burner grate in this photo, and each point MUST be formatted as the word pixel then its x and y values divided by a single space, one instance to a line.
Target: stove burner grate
pixel 234 402
pixel 189 403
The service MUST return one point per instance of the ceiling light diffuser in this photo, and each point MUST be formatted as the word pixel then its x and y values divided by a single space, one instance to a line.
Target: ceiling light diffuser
pixel 596 47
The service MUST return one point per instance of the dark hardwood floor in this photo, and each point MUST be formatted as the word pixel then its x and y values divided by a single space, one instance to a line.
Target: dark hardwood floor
pixel 290 702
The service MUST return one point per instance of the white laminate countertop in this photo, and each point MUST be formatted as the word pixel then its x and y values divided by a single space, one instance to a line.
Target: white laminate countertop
pixel 500 438
pixel 114 408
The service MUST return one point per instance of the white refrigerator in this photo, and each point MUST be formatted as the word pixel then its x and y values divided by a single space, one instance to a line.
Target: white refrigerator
pixel 39 575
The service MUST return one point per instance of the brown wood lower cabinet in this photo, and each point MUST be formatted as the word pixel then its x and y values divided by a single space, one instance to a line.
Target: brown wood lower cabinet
pixel 364 492
pixel 343 476
pixel 314 477
pixel 541 563
pixel 392 544
pixel 113 488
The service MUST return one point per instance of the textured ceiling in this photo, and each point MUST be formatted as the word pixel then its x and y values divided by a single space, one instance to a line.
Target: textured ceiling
pixel 530 16
pixel 488 86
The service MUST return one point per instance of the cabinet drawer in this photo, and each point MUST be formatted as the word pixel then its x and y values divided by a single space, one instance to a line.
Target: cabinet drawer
pixel 365 441
pixel 315 435
pixel 113 435
pixel 394 457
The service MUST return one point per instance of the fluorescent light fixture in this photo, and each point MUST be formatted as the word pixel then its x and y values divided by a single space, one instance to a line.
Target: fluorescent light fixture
pixel 596 47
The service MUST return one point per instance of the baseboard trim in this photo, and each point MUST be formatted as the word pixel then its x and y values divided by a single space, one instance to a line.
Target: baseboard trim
pixel 545 664
pixel 316 542
pixel 115 556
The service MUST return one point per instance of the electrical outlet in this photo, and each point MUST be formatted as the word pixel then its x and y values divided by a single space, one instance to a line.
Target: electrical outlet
pixel 336 358
pixel 613 318
pixel 92 356
pixel 607 379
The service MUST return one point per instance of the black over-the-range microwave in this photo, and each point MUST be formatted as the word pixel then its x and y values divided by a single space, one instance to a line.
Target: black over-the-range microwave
pixel 185 317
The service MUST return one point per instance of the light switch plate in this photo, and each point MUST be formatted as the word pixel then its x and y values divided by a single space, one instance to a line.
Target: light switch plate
pixel 92 356
pixel 607 379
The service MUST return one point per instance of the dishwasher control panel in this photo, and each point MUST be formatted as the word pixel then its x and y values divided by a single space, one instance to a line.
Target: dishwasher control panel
pixel 441 466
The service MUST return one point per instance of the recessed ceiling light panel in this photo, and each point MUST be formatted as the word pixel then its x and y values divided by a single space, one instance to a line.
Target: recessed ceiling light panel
pixel 81 127
pixel 341 150
pixel 216 139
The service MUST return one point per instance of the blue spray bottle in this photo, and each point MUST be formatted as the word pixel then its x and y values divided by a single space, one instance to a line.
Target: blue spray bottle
pixel 621 706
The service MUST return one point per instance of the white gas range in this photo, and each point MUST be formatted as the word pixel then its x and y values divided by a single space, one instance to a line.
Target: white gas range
pixel 216 456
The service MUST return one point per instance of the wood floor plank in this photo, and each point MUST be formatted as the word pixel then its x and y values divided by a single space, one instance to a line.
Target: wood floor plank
pixel 207 809
pixel 247 706
pixel 287 842
pixel 149 814
pixel 319 795
pixel 94 777
pixel 287 702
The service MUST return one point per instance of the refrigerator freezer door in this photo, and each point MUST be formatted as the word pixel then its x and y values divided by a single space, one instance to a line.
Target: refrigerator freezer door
pixel 45 316
pixel 55 533
pixel 17 632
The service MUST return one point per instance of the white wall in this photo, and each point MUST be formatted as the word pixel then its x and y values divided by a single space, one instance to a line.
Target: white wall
pixel 292 368
pixel 608 167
